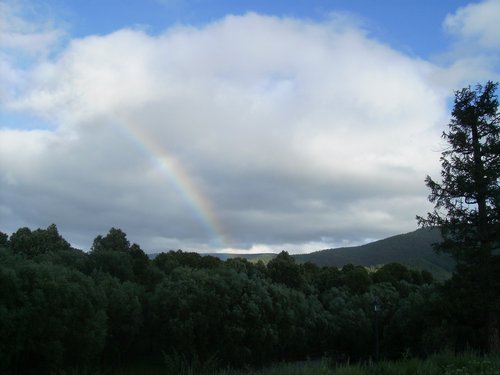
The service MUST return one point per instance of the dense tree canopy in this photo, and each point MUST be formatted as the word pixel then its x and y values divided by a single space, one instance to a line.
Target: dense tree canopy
pixel 64 308
pixel 40 241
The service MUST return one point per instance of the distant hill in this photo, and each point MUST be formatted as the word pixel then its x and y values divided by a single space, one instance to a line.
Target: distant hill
pixel 413 249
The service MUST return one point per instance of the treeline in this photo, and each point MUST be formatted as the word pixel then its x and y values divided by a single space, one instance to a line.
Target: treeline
pixel 62 308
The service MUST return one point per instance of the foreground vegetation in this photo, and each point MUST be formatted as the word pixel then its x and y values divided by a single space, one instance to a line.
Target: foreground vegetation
pixel 438 364
pixel 62 308
pixel 442 364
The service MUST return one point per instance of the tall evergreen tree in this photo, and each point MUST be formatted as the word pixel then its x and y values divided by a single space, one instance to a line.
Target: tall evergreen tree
pixel 467 201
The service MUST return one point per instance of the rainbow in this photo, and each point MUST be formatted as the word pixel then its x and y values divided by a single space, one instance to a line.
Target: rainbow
pixel 180 179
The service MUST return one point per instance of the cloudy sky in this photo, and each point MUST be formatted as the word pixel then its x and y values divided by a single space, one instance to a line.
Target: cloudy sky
pixel 231 125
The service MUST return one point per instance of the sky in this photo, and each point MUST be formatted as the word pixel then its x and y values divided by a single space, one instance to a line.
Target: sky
pixel 251 126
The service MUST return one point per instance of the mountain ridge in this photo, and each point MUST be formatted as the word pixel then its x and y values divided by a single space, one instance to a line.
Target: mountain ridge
pixel 413 249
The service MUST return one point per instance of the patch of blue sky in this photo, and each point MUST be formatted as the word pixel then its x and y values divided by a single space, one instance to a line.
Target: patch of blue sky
pixel 19 59
pixel 23 121
pixel 413 27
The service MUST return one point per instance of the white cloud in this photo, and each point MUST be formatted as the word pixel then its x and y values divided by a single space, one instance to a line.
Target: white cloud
pixel 298 134
pixel 475 53
pixel 22 30
pixel 27 37
pixel 478 22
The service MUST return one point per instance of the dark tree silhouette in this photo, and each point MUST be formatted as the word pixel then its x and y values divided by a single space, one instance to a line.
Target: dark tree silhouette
pixel 467 201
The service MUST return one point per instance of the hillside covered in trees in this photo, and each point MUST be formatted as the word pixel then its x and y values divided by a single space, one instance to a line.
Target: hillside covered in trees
pixel 62 308
pixel 414 250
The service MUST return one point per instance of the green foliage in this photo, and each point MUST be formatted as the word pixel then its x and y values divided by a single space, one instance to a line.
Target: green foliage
pixel 115 240
pixel 391 273
pixel 167 262
pixel 283 269
pixel 124 311
pixel 467 201
pixel 116 263
pixel 4 238
pixel 467 206
pixel 70 258
pixel 355 278
pixel 114 255
pixel 68 311
pixel 38 242
pixel 45 312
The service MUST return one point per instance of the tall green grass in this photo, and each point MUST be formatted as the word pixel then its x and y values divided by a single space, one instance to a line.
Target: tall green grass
pixel 439 364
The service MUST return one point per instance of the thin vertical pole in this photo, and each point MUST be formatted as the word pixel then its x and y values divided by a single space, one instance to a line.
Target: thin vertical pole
pixel 376 343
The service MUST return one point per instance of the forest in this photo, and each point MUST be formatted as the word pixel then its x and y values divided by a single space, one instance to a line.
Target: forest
pixel 62 308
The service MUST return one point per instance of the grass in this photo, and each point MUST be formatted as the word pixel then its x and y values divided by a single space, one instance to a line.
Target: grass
pixel 439 364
